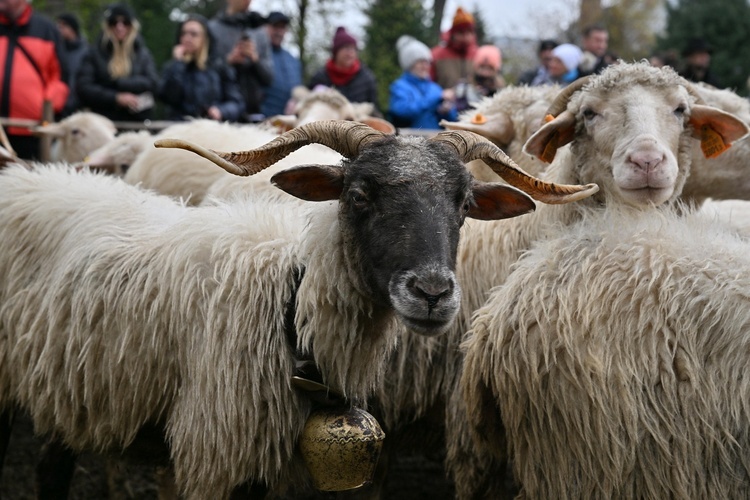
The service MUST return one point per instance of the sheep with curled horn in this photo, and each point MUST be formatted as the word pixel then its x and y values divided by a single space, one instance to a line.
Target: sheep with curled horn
pixel 194 318
pixel 606 147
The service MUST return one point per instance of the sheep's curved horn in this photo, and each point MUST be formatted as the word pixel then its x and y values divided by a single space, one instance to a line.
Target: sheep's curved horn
pixel 694 92
pixel 470 146
pixel 344 137
pixel 560 103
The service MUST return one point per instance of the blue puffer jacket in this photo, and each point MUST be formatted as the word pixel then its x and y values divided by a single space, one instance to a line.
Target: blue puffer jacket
pixel 414 102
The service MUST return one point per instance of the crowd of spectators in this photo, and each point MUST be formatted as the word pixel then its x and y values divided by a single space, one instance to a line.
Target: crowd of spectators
pixel 234 67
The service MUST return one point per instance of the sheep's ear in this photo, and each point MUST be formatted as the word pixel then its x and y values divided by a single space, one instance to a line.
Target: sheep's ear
pixel 311 182
pixel 716 129
pixel 55 130
pixel 499 201
pixel 498 128
pixel 553 135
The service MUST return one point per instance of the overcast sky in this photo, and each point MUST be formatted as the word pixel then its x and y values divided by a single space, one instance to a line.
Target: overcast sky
pixel 524 18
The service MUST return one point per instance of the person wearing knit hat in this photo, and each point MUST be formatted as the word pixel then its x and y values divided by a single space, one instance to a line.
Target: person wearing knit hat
pixel 563 67
pixel 488 61
pixel 74 49
pixel 415 100
pixel 452 58
pixel 462 21
pixel 346 73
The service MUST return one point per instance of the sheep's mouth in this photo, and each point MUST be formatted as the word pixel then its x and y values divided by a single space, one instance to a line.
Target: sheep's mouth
pixel 649 194
pixel 427 326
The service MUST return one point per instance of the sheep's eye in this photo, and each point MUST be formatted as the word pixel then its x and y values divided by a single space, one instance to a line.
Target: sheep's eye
pixel 679 111
pixel 358 198
pixel 589 113
pixel 75 131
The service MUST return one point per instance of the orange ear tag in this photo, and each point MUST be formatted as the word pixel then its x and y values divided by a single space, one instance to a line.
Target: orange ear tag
pixel 712 143
pixel 548 118
pixel 478 119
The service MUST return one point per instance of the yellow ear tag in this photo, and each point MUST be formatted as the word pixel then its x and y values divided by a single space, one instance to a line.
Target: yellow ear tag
pixel 550 149
pixel 712 143
pixel 478 119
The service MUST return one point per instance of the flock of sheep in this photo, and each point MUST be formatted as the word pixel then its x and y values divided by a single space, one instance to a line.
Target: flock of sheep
pixel 592 348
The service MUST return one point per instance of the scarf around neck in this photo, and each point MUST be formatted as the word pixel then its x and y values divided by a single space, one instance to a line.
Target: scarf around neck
pixel 341 76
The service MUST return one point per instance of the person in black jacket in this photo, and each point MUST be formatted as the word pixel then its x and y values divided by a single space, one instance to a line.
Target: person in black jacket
pixel 74 50
pixel 193 83
pixel 346 73
pixel 118 76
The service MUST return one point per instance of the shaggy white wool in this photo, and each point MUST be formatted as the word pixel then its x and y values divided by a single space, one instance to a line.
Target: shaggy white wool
pixel 119 307
pixel 614 361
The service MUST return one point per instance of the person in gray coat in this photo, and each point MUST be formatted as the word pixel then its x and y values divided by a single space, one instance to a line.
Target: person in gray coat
pixel 239 39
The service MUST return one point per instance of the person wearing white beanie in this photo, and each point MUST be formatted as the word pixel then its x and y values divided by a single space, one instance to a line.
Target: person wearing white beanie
pixel 411 50
pixel 563 67
pixel 415 100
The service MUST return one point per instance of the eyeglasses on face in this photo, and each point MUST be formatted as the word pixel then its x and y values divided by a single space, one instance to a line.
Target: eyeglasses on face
pixel 114 22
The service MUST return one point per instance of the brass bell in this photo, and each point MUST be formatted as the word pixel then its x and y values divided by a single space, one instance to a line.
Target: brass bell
pixel 341 448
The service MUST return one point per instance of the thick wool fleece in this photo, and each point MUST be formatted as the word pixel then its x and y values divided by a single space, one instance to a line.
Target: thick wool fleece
pixel 120 307
pixel 614 361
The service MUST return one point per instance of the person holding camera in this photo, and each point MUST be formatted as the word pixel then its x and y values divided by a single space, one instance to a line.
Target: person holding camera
pixel 193 84
pixel 240 41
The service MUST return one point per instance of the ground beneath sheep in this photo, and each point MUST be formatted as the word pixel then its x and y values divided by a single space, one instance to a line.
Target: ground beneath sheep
pixel 412 477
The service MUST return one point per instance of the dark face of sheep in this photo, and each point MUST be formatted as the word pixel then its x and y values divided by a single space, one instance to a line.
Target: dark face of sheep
pixel 402 201
pixel 630 130
pixel 401 227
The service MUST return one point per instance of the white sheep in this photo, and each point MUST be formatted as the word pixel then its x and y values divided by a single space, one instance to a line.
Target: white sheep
pixel 326 103
pixel 122 308
pixel 116 156
pixel 181 175
pixel 639 158
pixel 78 135
pixel 613 361
pixel 508 119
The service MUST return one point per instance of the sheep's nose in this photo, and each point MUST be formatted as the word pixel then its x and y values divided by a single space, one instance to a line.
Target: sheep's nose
pixel 647 160
pixel 432 290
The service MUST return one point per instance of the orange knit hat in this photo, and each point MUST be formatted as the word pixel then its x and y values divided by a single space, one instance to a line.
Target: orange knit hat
pixel 462 20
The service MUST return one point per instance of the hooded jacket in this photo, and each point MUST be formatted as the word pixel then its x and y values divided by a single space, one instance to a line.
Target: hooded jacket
pixel 32 66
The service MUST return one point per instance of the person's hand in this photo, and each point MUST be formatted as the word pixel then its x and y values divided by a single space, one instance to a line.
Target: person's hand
pixel 178 52
pixel 449 95
pixel 214 113
pixel 248 50
pixel 127 100
pixel 235 56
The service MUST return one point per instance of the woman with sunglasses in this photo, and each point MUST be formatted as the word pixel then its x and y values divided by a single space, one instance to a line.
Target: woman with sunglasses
pixel 195 84
pixel 118 76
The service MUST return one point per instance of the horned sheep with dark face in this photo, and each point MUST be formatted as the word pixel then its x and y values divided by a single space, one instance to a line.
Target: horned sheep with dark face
pixel 122 308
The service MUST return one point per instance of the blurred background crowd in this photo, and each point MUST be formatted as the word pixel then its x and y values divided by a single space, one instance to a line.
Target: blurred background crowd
pixel 225 60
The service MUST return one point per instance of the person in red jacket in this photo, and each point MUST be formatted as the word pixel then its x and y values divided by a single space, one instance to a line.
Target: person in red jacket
pixel 31 70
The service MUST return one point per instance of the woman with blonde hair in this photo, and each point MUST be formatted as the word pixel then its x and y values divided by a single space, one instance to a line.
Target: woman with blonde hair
pixel 196 85
pixel 118 76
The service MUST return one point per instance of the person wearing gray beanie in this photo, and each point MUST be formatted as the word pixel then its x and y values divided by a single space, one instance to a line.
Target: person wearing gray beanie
pixel 415 100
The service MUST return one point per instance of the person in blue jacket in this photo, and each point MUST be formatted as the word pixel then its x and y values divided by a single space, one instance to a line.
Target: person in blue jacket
pixel 415 100
pixel 195 84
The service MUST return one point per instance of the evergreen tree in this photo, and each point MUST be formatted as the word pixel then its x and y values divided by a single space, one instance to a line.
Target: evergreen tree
pixel 724 24
pixel 388 20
